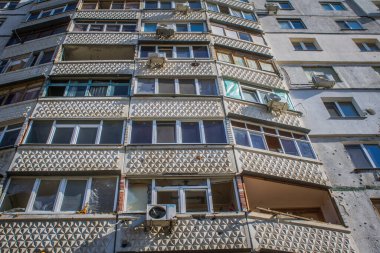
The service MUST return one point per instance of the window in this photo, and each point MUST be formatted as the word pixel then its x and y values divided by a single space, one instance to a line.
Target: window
pixel 291 24
pixel 272 139
pixel 235 34
pixel 376 205
pixel 333 6
pixel 349 25
pixel 105 27
pixel 75 132
pixel 328 71
pixel 368 46
pixel 10 5
pixel 176 51
pixel 74 192
pixel 285 5
pixel 364 156
pixel 376 69
pixel 342 109
pixel 19 93
pixel 9 134
pixel 190 27
pixel 87 88
pixel 52 12
pixel 229 11
pixel 113 5
pixel 189 195
pixel 156 132
pixel 305 45
pixel 167 5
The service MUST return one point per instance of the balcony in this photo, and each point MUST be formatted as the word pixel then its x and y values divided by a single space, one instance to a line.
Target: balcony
pixel 107 14
pixel 179 160
pixel 161 15
pixel 53 233
pixel 273 234
pixel 212 232
pixel 47 4
pixel 241 45
pixel 228 19
pixel 188 68
pixel 272 164
pixel 177 37
pixel 184 108
pixel 81 108
pixel 62 16
pixel 91 38
pixel 16 111
pixel 261 78
pixel 69 158
pixel 27 73
pixel 258 111
pixel 236 4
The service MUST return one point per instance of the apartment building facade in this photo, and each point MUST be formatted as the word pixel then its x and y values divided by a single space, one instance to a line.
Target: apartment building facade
pixel 337 41
pixel 112 111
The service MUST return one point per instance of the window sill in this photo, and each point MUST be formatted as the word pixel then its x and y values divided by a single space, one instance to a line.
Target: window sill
pixel 358 170
pixel 348 118
pixel 347 29
pixel 316 50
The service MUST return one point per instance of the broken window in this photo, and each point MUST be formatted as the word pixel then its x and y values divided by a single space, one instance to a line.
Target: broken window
pixel 223 195
pixel 103 192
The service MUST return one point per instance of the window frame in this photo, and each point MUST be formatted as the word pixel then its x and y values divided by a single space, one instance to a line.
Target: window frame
pixel 347 25
pixel 105 25
pixel 303 45
pixel 340 110
pixel 364 44
pixel 365 152
pixel 290 21
pixel 6 130
pixel 286 2
pixel 332 6
pixel 52 11
pixel 174 51
pixel 313 69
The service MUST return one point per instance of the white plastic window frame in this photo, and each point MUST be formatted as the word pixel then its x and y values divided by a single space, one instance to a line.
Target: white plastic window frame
pixel 236 31
pixel 290 23
pixel 175 51
pixel 172 5
pixel 340 111
pixel 278 136
pixel 104 26
pixel 60 193
pixel 178 132
pixel 51 12
pixel 188 24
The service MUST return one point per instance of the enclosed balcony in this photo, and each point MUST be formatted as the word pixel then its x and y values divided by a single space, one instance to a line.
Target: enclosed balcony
pixel 228 19
pixel 167 15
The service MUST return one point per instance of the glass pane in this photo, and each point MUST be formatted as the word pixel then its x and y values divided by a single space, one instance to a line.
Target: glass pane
pixel 166 132
pixel 17 195
pixel 289 147
pixel 111 132
pixel 166 86
pixel 252 64
pixel 46 194
pixel 212 7
pixel 30 94
pixel 231 34
pixel 181 182
pixel 354 25
pixel 121 90
pixel 223 195
pixel 102 196
pixel 332 109
pixel 145 86
pixel 9 138
pixel 196 201
pixel 358 157
pixel 241 137
pixel 257 141
pixel 145 50
pixel 87 135
pixel 374 152
pixel 168 197
pixel 273 143
pixel 113 28
pixel 297 24
pixel 195 5
pixel 306 149
pixel 14 97
pixel 151 4
pixel 55 91
pixel 139 195
pixel 190 132
pixel 150 27
pixel 232 89
pixel 266 66
pixel 183 52
pixel 39 132
pixel 284 24
pixel 214 131
pixel 181 28
pixel 196 27
pixel 239 61
pixel 98 91
pixel 77 91
pixel 141 132
pixel 207 87
pixel 251 96
pixel 200 52
pixel 245 36
pixel 129 28
pixel 187 86
pixel 217 30
pixel 62 135
pixel 168 51
pixel 166 5
pixel 74 195
pixel 348 109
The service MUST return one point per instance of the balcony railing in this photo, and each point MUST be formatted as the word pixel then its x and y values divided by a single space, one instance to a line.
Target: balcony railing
pixel 212 232
pixel 261 78
pixel 107 14
pixel 57 233
pixel 93 68
pixel 162 15
pixel 16 111
pixel 91 38
pixel 242 45
pixel 182 159
pixel 298 236
pixel 267 163
pixel 176 108
pixel 26 73
pixel 258 111
pixel 70 158
pixel 81 108
pixel 228 19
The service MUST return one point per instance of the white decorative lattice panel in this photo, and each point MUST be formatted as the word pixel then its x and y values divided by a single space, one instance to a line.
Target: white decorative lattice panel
pixel 58 236
pixel 224 18
pixel 188 234
pixel 101 38
pixel 176 108
pixel 81 108
pixel 260 112
pixel 295 238
pixel 16 111
pixel 267 164
pixel 251 76
pixel 173 161
pixel 93 68
pixel 107 14
pixel 242 45
pixel 177 68
pixel 59 160
pixel 172 16
pixel 190 37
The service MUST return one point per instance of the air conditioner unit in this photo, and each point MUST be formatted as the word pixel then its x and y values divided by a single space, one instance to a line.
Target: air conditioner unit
pixel 182 7
pixel 160 215
pixel 323 81
pixel 272 8
pixel 276 103
pixel 165 30
pixel 156 60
